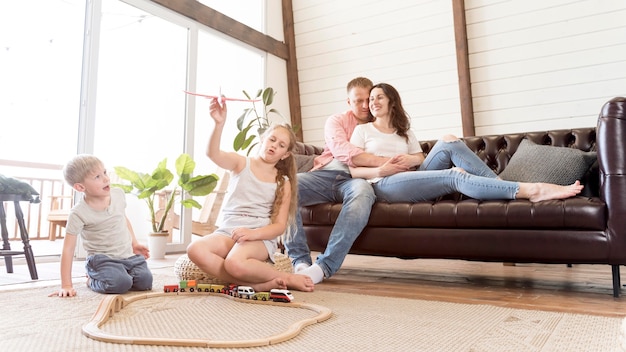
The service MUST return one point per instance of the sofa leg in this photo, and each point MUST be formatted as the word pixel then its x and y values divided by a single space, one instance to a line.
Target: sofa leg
pixel 616 280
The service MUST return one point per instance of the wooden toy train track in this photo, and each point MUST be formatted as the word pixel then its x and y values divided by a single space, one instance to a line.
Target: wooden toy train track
pixel 114 303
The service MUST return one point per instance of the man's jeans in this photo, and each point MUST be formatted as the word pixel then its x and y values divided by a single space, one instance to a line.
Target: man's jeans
pixel 330 186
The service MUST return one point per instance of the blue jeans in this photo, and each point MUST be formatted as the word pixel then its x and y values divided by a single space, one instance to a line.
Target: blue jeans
pixel 108 275
pixel 435 178
pixel 445 155
pixel 330 186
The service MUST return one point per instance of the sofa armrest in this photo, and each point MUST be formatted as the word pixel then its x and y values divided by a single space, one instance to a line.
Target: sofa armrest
pixel 611 140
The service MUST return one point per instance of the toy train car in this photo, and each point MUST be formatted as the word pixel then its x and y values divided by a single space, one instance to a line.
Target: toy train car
pixel 193 286
pixel 276 295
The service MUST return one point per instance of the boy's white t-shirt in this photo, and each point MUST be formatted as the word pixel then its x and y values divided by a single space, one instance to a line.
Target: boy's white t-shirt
pixel 375 142
pixel 103 232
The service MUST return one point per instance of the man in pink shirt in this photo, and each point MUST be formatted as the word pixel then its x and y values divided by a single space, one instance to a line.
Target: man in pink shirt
pixel 330 182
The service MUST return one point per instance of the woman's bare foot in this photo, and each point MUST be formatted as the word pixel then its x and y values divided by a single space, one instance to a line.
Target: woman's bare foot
pixel 537 192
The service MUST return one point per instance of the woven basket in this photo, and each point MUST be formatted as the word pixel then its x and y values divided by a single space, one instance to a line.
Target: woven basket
pixel 185 269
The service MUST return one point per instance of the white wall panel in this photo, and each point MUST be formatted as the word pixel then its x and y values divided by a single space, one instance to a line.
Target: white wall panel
pixel 549 64
pixel 407 43
pixel 534 65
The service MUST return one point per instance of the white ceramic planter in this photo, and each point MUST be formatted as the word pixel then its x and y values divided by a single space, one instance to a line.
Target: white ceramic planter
pixel 157 242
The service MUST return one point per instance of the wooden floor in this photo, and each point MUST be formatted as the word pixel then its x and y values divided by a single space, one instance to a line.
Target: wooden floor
pixel 583 289
pixel 580 289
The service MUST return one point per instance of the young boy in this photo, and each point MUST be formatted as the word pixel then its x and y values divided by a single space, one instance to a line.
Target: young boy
pixel 116 262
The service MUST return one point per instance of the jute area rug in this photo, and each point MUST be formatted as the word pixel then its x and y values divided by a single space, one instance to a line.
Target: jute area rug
pixel 31 321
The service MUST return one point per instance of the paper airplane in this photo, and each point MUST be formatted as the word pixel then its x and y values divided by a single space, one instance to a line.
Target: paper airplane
pixel 222 98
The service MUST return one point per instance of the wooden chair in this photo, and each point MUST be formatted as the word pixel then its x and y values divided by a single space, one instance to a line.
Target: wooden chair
pixel 209 213
pixel 57 217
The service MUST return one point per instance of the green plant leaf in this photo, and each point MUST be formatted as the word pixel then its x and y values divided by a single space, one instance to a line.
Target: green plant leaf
pixel 201 185
pixel 268 96
pixel 160 179
pixel 240 139
pixel 241 119
pixel 125 188
pixel 126 174
pixel 274 111
pixel 188 203
pixel 185 164
pixel 251 148
pixel 247 142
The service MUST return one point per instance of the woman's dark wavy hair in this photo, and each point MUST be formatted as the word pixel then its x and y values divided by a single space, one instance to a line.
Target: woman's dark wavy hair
pixel 399 118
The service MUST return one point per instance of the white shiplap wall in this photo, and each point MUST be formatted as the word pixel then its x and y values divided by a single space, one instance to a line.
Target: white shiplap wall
pixel 535 65
pixel 407 43
pixel 539 65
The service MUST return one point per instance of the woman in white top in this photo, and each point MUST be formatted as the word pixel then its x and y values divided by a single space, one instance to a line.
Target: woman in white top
pixel 390 136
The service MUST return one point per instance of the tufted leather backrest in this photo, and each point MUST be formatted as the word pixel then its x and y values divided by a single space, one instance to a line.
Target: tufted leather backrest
pixel 497 150
pixel 308 149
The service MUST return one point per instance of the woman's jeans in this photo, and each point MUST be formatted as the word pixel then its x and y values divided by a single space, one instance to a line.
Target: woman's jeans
pixel 108 275
pixel 435 178
pixel 331 186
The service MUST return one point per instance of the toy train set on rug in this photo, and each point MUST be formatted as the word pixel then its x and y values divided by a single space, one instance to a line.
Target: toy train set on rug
pixel 112 304
pixel 276 295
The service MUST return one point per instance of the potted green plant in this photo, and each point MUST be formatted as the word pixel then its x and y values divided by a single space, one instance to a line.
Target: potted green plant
pixel 259 120
pixel 146 186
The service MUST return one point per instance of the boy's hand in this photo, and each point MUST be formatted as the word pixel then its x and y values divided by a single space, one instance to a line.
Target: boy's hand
pixel 139 248
pixel 64 292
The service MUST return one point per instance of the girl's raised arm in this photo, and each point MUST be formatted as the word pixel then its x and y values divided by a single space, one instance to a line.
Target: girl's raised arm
pixel 226 160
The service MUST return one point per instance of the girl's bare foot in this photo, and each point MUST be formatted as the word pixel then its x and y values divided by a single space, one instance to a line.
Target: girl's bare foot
pixel 538 192
pixel 299 282
pixel 289 281
pixel 266 286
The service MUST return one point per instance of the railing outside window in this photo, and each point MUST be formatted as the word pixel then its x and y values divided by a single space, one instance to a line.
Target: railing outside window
pixel 54 194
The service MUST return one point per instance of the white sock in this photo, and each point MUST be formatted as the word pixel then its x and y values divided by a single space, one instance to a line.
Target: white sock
pixel 315 272
pixel 300 266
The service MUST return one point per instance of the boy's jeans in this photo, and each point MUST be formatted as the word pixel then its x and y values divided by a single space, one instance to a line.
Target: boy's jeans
pixel 108 275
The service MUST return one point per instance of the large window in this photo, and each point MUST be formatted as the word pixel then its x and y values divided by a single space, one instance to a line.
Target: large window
pixel 140 108
pixel 41 43
pixel 137 61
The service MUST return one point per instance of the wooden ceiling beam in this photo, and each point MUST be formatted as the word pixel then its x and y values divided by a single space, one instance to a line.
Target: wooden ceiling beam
pixel 287 51
pixel 222 23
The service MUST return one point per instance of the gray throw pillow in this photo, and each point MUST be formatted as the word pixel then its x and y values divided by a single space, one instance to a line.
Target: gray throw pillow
pixel 543 163
pixel 9 185
pixel 304 163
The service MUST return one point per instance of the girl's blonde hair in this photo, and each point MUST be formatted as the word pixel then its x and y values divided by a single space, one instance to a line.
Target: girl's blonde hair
pixel 286 167
pixel 79 167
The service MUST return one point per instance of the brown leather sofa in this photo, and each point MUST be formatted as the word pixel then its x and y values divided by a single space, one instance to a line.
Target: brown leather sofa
pixel 587 229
